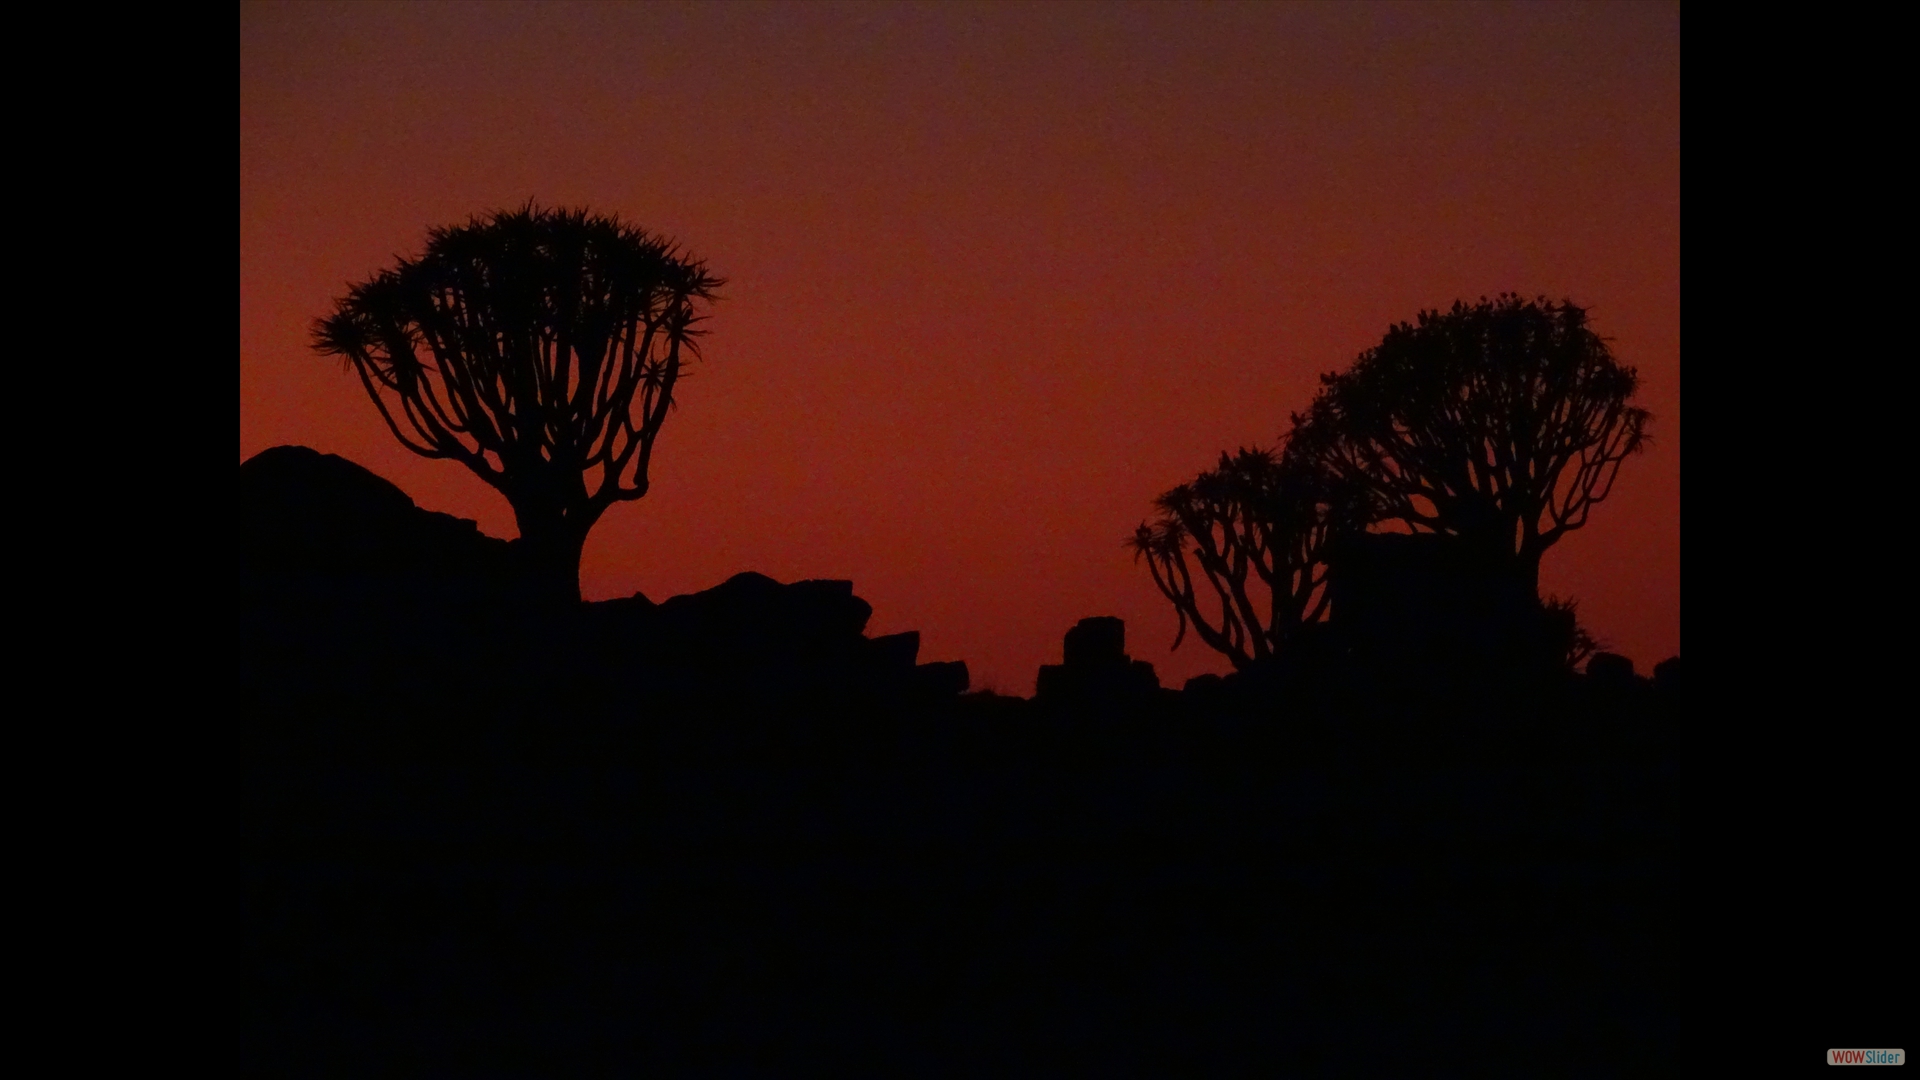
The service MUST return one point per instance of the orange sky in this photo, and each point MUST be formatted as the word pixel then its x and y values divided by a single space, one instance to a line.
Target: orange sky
pixel 999 274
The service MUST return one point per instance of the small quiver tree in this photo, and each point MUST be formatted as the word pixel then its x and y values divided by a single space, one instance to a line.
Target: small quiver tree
pixel 1253 529
pixel 541 349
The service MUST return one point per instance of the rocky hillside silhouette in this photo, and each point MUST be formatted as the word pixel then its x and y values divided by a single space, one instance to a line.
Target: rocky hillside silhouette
pixel 343 571
pixel 732 833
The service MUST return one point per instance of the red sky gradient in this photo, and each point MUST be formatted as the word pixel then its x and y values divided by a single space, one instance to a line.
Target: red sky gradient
pixel 999 274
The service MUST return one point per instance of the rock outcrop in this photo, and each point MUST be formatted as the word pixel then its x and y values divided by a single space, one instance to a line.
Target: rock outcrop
pixel 1096 668
pixel 343 576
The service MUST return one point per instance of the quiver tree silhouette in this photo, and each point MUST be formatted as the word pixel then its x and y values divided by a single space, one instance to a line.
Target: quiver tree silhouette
pixel 540 348
pixel 1502 423
pixel 1254 527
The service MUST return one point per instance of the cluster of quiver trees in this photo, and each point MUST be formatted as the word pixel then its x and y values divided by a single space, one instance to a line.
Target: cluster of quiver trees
pixel 1498 424
pixel 541 348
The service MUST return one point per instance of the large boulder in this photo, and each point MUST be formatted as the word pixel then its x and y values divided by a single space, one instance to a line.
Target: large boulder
pixel 754 635
pixel 1610 669
pixel 1096 668
pixel 346 583
pixel 319 520
pixel 1416 604
pixel 1666 675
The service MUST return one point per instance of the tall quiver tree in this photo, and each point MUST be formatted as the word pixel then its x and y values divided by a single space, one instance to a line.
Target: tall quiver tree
pixel 540 348
pixel 1502 423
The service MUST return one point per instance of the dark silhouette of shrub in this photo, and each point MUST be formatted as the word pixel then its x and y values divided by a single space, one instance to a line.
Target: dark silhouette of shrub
pixel 540 348
pixel 1570 640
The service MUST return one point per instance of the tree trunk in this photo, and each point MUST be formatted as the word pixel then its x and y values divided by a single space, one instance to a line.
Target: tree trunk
pixel 550 545
pixel 1527 567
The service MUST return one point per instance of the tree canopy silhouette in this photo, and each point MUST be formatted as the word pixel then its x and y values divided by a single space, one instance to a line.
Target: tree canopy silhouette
pixel 1254 527
pixel 540 348
pixel 1502 423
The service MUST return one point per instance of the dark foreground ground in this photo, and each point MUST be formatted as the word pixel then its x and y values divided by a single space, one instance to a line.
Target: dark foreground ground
pixel 729 835
pixel 982 886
